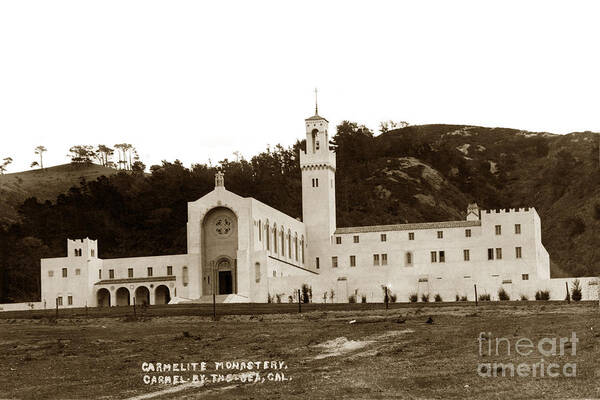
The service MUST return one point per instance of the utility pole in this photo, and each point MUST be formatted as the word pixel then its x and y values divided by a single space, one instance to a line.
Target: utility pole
pixel 475 286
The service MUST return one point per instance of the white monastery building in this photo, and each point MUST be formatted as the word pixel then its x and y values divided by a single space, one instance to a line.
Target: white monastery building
pixel 245 251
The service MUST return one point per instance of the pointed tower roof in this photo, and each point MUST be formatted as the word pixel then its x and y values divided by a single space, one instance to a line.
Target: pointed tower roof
pixel 316 117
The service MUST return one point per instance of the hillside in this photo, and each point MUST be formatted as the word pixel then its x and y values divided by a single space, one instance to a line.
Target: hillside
pixel 414 174
pixel 43 184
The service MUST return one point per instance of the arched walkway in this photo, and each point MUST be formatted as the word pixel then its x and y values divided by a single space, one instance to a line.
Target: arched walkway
pixel 162 295
pixel 122 296
pixel 103 298
pixel 142 295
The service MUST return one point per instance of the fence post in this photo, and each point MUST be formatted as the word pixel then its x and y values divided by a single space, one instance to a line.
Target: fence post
pixel 386 298
pixel 134 313
pixel 475 286
pixel 57 308
pixel 299 302
pixel 568 294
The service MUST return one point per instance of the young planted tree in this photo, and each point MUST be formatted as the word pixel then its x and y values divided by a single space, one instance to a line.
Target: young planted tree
pixel 39 150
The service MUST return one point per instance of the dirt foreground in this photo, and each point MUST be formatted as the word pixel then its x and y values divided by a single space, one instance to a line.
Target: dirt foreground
pixel 413 352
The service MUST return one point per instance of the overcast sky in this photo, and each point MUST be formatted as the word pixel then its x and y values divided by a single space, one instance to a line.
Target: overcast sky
pixel 195 80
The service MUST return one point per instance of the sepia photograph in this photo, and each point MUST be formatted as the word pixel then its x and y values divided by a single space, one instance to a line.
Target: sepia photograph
pixel 299 200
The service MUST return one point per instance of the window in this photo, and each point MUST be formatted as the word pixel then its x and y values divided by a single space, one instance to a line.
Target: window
pixel 440 234
pixel 334 262
pixel 50 274
pixel 353 261
pixel 275 239
pixel 283 244
pixel 525 277
pixel 130 272
pixel 257 272
pixel 149 271
pixel 302 247
pixel 490 254
pixel 274 274
pixel 169 270
pixel 499 254
pixel 59 301
pixel 517 229
pixel 289 245
pixel 338 240
pixel 442 256
pixel 467 233
pixel 384 259
pixel 518 252
pixel 93 252
pixel 356 239
pixel 111 273
pixel 408 258
pixel 259 230
pixel 77 271
pixel 268 235
pixel 383 237
pixel 411 236
pixel 64 272
pixel 185 277
pixel 70 300
pixel 375 259
pixel 315 182
pixel 466 255
pixel 317 262
pixel 433 256
pixel 99 274
pixel 498 229
pixel 296 247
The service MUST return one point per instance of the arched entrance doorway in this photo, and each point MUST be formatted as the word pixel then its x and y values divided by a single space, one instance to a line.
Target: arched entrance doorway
pixel 142 296
pixel 224 278
pixel 162 295
pixel 122 296
pixel 103 298
pixel 219 250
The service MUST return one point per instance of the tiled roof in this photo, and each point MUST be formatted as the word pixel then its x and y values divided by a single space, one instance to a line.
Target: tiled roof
pixel 316 117
pixel 136 280
pixel 407 227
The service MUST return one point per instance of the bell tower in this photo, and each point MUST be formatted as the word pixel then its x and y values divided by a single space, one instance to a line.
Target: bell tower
pixel 317 163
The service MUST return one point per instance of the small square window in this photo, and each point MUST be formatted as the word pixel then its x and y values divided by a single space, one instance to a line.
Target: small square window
pixel 411 236
pixel 525 277
pixel 466 255
pixel 467 233
pixel 498 254
pixel 334 262
pixel 434 256
pixel 517 229
pixel 130 272
pixel 356 239
pixel 498 229
pixel 338 240
pixel 64 272
pixel 169 270
pixel 440 234
pixel 149 271
pixel 111 273
pixel 490 254
pixel 353 261
pixel 77 271
pixel 442 256
pixel 518 252
pixel 383 237
pixel 50 274
pixel 70 300
pixel 384 259
pixel 375 259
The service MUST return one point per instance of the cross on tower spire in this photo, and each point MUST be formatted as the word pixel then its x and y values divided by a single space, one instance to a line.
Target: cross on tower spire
pixel 316 103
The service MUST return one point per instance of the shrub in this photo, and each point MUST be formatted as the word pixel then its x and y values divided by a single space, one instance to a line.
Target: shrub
pixel 305 293
pixel 352 299
pixel 363 298
pixel 463 298
pixel 425 298
pixel 413 297
pixel 278 296
pixel 438 297
pixel 576 291
pixel 457 297
pixel 524 297
pixel 290 299
pixel 269 298
pixel 393 298
pixel 484 297
pixel 542 295
pixel 502 295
